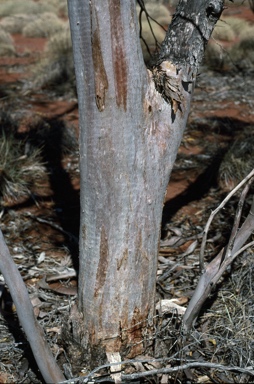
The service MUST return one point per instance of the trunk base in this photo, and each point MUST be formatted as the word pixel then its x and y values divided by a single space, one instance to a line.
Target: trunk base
pixel 82 353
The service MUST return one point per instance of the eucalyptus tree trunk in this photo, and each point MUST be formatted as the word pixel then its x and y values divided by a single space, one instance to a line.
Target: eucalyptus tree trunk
pixel 131 123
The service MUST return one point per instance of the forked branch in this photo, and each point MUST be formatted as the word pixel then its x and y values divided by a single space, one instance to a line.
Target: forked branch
pixel 215 269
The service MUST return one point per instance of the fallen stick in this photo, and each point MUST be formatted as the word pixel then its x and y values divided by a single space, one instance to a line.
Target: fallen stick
pixel 34 333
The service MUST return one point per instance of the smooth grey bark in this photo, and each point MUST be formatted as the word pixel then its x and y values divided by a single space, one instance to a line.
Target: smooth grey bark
pixel 34 333
pixel 131 125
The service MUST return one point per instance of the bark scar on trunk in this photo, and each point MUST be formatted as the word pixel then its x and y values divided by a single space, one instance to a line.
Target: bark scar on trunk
pixel 118 53
pixel 100 78
pixel 103 263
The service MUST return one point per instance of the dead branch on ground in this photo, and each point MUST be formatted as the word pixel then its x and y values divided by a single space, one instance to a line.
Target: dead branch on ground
pixel 215 269
pixel 34 333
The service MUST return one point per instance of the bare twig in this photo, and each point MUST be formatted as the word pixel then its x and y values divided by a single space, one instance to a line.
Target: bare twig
pixel 34 333
pixel 217 267
pixel 245 230
pixel 237 219
pixel 183 367
pixel 228 261
pixel 222 204
pixel 188 365
pixel 148 17
pixel 52 225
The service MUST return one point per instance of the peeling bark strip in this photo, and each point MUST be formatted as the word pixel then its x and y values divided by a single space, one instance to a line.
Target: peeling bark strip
pixel 118 53
pixel 170 83
pixel 167 83
pixel 100 78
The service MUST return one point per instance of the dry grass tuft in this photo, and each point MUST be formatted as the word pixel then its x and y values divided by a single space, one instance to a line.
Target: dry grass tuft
pixel 247 34
pixel 45 25
pixel 28 7
pixel 242 53
pixel 16 23
pixel 238 161
pixel 223 31
pixel 236 24
pixel 229 325
pixel 217 57
pixel 6 44
pixel 60 6
pixel 56 68
pixel 20 165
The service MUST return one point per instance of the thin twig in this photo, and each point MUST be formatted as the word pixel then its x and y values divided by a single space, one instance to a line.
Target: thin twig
pixel 132 376
pixel 228 261
pixel 237 219
pixel 213 213
pixel 187 365
pixel 219 264
pixel 53 225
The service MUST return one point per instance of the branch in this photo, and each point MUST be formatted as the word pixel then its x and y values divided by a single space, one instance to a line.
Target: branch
pixel 217 267
pixel 34 333
pixel 183 367
pixel 222 204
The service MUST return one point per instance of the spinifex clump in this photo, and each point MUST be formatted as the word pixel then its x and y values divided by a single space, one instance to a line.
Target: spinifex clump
pixel 237 162
pixel 21 166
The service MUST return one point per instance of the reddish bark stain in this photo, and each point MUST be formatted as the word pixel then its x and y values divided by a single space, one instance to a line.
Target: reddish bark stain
pixel 100 75
pixel 118 53
pixel 135 334
pixel 103 263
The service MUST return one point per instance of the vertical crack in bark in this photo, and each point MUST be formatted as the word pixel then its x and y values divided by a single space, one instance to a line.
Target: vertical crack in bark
pixel 118 53
pixel 100 75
